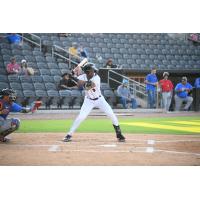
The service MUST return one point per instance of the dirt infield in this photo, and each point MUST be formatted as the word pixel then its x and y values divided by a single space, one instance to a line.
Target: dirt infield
pixel 100 149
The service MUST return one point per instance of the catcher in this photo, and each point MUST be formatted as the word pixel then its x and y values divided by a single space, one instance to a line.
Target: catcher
pixel 93 98
pixel 7 105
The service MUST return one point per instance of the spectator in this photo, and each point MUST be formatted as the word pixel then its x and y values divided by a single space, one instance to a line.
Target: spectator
pixel 66 83
pixel 125 95
pixel 13 67
pixel 82 52
pixel 182 94
pixel 73 50
pixel 109 64
pixel 166 90
pixel 25 70
pixel 197 83
pixel 14 38
pixel 151 82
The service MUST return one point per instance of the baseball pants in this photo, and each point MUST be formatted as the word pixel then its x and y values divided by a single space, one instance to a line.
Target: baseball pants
pixel 87 107
pixel 179 101
pixel 166 98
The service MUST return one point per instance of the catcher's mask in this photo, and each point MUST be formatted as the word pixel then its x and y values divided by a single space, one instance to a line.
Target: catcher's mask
pixel 8 92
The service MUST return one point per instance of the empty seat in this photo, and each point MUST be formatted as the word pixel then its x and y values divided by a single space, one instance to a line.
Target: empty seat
pixel 110 97
pixel 42 65
pixel 48 79
pixel 41 95
pixel 39 86
pixel 17 52
pixel 57 79
pixel 27 86
pixel 52 99
pixel 3 78
pixel 65 71
pixel 15 86
pixel 76 98
pixel 65 98
pixel 30 58
pixel 50 86
pixel 44 71
pixel 29 97
pixel 55 72
pixel 40 59
pixel 25 79
pixel 13 78
pixel 63 65
pixel 3 85
pixel 105 86
pixel 27 52
pixel 20 96
pixel 37 79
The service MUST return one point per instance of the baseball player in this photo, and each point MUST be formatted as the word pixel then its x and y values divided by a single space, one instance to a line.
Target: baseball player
pixel 7 105
pixel 93 98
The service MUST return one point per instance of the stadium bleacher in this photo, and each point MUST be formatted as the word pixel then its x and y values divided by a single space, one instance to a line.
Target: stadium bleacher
pixel 129 51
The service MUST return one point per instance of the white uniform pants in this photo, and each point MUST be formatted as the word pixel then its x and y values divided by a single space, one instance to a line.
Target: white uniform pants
pixel 87 107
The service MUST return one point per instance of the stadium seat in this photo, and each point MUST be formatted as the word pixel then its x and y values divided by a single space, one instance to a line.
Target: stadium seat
pixel 3 78
pixel 13 78
pixel 53 98
pixel 48 79
pixel 110 97
pixel 29 97
pixel 41 95
pixel 3 85
pixel 50 86
pixel 77 99
pixel 57 79
pixel 42 65
pixel 15 86
pixel 20 97
pixel 27 86
pixel 44 71
pixel 37 79
pixel 25 79
pixel 39 86
pixel 65 98
pixel 55 72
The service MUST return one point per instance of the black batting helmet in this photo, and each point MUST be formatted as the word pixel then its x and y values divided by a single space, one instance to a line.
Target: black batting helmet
pixel 8 92
pixel 89 67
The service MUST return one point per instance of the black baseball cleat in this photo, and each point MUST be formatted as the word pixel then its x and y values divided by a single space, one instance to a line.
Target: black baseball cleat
pixel 121 138
pixel 67 138
pixel 4 139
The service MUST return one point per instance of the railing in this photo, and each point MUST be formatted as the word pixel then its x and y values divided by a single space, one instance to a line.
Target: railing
pixel 64 54
pixel 32 38
pixel 136 88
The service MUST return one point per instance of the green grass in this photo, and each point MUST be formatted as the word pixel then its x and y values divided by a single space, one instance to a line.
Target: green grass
pixel 105 125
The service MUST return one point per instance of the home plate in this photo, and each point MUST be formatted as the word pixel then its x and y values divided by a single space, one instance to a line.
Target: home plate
pixel 108 145
pixel 54 148
pixel 151 142
pixel 149 149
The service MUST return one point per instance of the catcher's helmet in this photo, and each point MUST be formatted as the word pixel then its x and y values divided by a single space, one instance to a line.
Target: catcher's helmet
pixel 8 92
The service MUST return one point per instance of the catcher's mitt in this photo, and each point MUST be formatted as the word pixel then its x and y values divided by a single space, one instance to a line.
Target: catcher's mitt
pixel 35 106
pixel 89 85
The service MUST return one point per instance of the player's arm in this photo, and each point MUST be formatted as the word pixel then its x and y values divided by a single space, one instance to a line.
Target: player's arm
pixel 17 108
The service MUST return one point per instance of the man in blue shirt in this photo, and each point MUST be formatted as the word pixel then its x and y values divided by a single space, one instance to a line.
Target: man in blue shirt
pixel 182 90
pixel 151 82
pixel 125 95
pixel 197 83
pixel 7 105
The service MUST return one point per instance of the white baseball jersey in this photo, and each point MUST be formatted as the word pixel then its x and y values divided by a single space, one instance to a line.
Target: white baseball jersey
pixel 94 92
pixel 93 99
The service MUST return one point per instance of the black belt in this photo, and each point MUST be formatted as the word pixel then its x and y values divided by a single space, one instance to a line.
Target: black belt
pixel 95 98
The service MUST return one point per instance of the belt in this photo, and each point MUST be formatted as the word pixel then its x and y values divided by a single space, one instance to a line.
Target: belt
pixel 95 98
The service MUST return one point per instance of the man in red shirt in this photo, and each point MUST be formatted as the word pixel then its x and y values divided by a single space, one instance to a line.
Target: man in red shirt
pixel 13 67
pixel 166 90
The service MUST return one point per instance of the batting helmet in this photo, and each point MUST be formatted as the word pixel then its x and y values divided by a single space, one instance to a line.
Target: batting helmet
pixel 89 67
pixel 8 92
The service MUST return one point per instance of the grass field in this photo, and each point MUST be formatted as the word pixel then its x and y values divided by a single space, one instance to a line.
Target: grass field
pixel 178 125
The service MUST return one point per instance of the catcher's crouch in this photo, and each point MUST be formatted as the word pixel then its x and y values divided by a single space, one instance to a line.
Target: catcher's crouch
pixel 7 126
pixel 93 98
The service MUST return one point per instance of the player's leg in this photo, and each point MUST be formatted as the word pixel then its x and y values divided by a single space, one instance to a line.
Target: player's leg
pixel 178 103
pixel 123 102
pixel 7 127
pixel 169 99
pixel 164 99
pixel 189 102
pixel 84 112
pixel 105 107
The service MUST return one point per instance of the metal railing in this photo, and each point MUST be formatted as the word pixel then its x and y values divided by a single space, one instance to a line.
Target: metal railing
pixel 32 38
pixel 136 88
pixel 64 54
